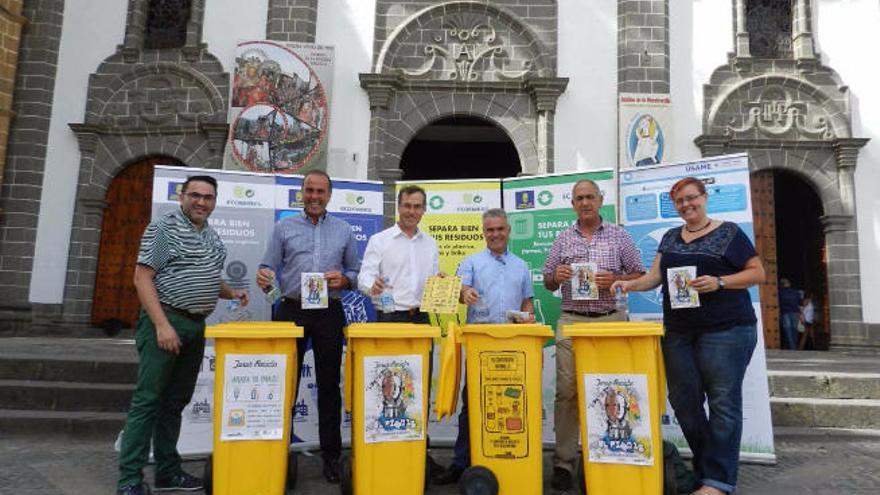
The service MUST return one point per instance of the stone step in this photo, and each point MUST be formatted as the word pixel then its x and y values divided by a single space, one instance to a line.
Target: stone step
pixel 82 369
pixel 831 413
pixel 65 396
pixel 98 425
pixel 824 385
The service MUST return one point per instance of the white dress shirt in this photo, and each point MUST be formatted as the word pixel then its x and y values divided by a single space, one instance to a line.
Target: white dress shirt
pixel 406 261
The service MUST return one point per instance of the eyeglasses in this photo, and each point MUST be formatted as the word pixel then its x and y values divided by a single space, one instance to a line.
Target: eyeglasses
pixel 199 197
pixel 687 199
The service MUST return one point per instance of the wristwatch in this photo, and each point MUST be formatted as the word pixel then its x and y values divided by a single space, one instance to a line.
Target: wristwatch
pixel 720 283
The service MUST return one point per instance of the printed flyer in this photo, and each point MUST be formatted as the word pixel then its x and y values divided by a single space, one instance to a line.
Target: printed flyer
pixel 618 419
pixel 393 399
pixel 253 402
pixel 505 419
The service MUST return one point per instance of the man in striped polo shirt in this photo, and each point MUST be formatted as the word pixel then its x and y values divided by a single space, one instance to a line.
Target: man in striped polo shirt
pixel 589 239
pixel 177 279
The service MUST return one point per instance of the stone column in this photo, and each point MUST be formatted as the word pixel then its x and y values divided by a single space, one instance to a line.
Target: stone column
pixel 545 92
pixel 381 89
pixel 844 285
pixel 643 46
pixel 292 20
pixel 741 36
pixel 802 32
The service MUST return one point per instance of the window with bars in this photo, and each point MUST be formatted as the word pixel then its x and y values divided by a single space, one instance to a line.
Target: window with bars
pixel 166 23
pixel 769 25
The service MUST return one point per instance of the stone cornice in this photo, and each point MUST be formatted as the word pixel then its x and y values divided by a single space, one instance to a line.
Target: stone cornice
pixel 380 87
pixel 545 91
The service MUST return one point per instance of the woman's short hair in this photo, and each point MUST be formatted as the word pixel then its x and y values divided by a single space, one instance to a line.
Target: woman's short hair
pixel 687 181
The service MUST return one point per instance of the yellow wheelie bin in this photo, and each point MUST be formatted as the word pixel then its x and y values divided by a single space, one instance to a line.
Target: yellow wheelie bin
pixel 621 396
pixel 503 368
pixel 386 388
pixel 254 383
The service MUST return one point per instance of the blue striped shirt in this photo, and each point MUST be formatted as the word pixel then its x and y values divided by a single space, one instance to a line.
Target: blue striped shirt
pixel 299 246
pixel 188 262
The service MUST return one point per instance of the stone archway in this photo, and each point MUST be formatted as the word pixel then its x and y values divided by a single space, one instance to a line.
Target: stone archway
pixel 462 58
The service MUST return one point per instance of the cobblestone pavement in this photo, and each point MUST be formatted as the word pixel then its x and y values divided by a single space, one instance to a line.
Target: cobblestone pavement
pixel 833 462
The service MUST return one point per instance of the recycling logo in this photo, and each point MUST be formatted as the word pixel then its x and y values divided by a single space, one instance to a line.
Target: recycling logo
pixel 545 198
pixel 478 199
pixel 360 200
pixel 436 202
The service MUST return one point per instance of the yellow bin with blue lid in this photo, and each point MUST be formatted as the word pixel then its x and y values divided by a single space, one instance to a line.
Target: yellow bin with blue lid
pixel 621 397
pixel 254 383
pixel 386 386
pixel 503 367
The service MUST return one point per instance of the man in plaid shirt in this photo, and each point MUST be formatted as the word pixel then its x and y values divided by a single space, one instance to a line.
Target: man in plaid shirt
pixel 612 250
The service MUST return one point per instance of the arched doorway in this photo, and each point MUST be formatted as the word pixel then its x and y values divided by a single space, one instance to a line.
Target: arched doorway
pixel 460 147
pixel 790 239
pixel 129 205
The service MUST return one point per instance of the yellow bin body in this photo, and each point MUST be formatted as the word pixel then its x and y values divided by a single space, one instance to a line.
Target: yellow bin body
pixel 621 348
pixel 253 467
pixel 385 465
pixel 503 368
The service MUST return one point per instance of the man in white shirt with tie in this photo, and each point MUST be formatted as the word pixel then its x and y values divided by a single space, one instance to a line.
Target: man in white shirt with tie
pixel 399 260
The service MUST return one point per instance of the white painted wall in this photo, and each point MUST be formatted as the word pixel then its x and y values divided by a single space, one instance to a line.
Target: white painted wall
pixel 586 114
pixel 700 37
pixel 90 32
pixel 229 21
pixel 854 58
pixel 348 26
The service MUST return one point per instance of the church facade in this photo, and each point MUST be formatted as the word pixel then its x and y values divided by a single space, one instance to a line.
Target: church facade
pixel 106 90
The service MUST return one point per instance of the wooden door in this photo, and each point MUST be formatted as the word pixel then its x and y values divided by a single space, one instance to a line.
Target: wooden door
pixel 129 205
pixel 764 216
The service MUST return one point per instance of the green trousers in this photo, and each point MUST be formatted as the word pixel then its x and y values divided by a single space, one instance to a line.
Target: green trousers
pixel 165 385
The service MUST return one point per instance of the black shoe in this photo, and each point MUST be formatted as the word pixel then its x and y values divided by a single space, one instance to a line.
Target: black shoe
pixel 449 476
pixel 139 489
pixel 561 479
pixel 331 470
pixel 182 482
pixel 431 467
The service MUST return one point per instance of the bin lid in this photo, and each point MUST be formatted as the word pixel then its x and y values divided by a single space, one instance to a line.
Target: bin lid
pixel 508 330
pixel 391 331
pixel 254 330
pixel 613 329
pixel 449 381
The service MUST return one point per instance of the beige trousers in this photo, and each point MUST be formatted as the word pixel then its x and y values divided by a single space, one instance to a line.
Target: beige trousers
pixel 566 407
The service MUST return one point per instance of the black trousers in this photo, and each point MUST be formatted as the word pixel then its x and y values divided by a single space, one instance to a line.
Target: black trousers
pixel 324 328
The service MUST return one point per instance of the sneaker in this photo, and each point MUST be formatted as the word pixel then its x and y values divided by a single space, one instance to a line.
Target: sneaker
pixel 139 489
pixel 561 479
pixel 331 470
pixel 183 482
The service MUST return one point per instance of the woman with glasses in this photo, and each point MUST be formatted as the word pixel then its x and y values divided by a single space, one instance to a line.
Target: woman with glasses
pixel 705 268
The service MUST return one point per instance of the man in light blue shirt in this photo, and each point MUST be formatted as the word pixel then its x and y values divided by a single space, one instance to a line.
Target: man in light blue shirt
pixel 497 287
pixel 316 242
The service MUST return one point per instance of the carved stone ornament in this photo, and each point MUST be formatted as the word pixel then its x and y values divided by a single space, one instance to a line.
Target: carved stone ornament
pixel 776 113
pixel 469 49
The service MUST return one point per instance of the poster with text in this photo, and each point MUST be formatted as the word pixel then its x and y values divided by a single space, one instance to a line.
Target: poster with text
pixel 647 212
pixel 253 397
pixel 644 124
pixel 393 399
pixel 279 107
pixel 618 419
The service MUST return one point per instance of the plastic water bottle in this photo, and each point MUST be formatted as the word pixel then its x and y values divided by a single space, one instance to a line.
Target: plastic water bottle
pixel 272 291
pixel 481 310
pixel 386 299
pixel 621 304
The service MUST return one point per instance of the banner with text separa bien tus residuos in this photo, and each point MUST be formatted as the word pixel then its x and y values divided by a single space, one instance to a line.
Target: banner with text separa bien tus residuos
pixel 538 209
pixel 647 212
pixel 248 206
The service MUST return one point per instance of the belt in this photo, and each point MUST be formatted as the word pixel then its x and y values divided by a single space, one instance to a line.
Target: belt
pixel 184 313
pixel 298 302
pixel 408 312
pixel 590 314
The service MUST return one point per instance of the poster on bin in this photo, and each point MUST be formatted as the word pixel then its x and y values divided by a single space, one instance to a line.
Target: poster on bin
pixel 618 415
pixel 538 209
pixel 393 399
pixel 253 397
pixel 647 212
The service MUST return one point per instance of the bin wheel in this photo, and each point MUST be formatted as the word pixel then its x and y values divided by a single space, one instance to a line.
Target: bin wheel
pixel 670 484
pixel 292 470
pixel 208 475
pixel 345 478
pixel 478 480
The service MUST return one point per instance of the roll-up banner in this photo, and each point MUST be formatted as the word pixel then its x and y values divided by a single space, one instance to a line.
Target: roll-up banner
pixel 453 217
pixel 538 209
pixel 647 213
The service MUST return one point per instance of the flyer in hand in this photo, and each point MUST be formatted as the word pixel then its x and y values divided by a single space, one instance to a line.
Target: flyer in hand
pixel 441 295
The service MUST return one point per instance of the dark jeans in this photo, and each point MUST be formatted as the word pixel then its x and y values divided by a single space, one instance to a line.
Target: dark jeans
pixel 324 328
pixel 461 451
pixel 788 323
pixel 165 385
pixel 710 366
